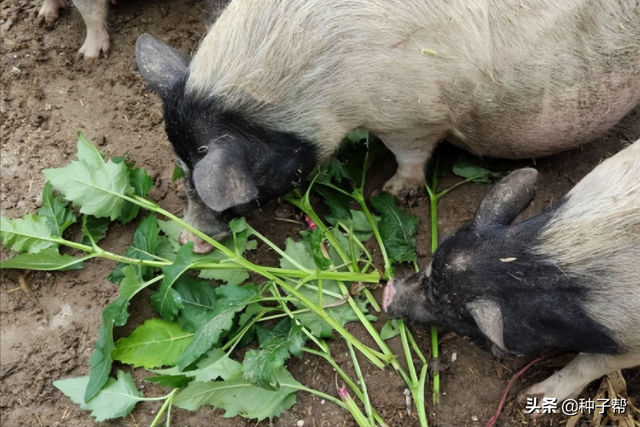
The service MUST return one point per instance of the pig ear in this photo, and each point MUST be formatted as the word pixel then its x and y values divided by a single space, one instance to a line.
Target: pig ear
pixel 160 65
pixel 488 316
pixel 223 180
pixel 507 199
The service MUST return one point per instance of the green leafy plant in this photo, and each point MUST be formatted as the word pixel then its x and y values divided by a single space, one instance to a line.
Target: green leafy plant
pixel 206 306
pixel 190 346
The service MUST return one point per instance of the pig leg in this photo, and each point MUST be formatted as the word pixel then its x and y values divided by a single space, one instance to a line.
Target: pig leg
pixel 569 381
pixel 412 158
pixel 94 13
pixel 50 10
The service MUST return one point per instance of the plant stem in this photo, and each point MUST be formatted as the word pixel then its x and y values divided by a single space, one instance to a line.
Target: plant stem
pixel 434 198
pixel 166 406
pixel 317 393
pixel 433 201
pixel 343 375
pixel 417 384
pixel 358 195
pixel 363 384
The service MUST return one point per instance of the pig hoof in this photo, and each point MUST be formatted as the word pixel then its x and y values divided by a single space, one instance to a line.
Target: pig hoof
pixel 50 11
pixel 403 188
pixel 94 45
pixel 531 402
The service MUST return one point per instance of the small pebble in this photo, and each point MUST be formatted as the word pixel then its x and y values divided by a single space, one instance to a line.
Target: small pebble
pixel 300 423
pixel 474 418
pixel 454 356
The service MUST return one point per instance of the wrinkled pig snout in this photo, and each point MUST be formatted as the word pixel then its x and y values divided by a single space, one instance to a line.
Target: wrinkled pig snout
pixel 388 294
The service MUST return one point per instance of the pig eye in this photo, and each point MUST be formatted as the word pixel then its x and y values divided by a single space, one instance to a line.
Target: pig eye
pixel 428 270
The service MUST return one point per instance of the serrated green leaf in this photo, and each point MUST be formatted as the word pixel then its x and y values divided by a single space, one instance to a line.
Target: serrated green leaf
pixel 232 276
pixel 167 301
pixel 117 399
pixel 55 211
pixel 172 230
pixel 260 366
pixel 46 260
pixel 390 329
pixel 232 299
pixel 215 365
pixel 171 381
pixel 238 243
pixel 94 229
pixel 114 314
pixel 30 234
pixel 333 170
pixel 88 153
pixel 198 302
pixel 467 167
pixel 238 225
pixel 337 202
pixel 145 242
pixel 398 229
pixel 97 187
pixel 356 154
pixel 238 397
pixel 141 184
pixel 153 344
pixel 299 252
pixel 358 224
pixel 140 181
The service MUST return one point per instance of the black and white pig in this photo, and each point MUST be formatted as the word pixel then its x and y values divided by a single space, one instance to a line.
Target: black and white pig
pixel 94 13
pixel 568 278
pixel 275 85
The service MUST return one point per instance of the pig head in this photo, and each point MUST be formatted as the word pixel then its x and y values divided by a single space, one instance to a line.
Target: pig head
pixel 487 282
pixel 230 164
pixel 565 279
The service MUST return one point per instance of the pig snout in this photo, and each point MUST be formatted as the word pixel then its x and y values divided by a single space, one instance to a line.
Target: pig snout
pixel 199 216
pixel 388 294
pixel 199 245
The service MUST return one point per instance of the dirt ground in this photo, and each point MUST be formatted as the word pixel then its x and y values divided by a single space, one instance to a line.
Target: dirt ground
pixel 47 96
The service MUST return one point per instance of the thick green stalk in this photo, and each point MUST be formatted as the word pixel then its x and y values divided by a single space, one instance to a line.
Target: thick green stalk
pixel 434 198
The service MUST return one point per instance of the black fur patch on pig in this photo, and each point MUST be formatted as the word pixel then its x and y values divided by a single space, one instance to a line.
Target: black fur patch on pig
pixel 542 307
pixel 276 161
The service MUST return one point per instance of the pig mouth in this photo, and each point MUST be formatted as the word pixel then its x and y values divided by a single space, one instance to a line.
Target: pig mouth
pixel 199 245
pixel 387 295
